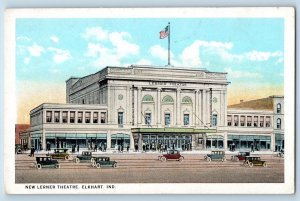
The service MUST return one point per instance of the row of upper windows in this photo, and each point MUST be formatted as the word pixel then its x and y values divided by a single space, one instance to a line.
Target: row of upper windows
pixel 70 117
pixel 166 99
pixel 249 121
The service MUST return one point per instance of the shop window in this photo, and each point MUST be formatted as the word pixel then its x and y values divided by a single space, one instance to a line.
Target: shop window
pixel 236 120
pixel 167 119
pixel 242 120
pixel 214 120
pixel 56 117
pixel 95 117
pixel 103 117
pixel 65 117
pixel 249 121
pixel 279 123
pixel 229 120
pixel 278 108
pixel 255 123
pixel 87 117
pixel 48 116
pixel 148 119
pixel 72 117
pixel 79 118
pixel 261 121
pixel 268 121
pixel 120 118
pixel 186 119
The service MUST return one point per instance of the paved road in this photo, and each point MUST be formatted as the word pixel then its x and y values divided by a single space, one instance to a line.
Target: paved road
pixel 145 168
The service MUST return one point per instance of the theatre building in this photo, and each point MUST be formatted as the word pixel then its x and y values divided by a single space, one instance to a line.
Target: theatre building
pixel 137 106
pixel 256 123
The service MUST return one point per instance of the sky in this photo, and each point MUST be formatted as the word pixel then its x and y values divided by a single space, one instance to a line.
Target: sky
pixel 49 51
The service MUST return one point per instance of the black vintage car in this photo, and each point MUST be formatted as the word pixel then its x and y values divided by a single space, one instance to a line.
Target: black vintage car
pixel 60 154
pixel 100 162
pixel 254 161
pixel 46 162
pixel 85 156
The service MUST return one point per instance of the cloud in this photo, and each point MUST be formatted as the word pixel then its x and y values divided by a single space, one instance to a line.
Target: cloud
pixel 59 55
pixel 27 60
pixel 96 33
pixel 54 39
pixel 262 56
pixel 35 50
pixel 23 38
pixel 241 74
pixel 108 48
pixel 143 62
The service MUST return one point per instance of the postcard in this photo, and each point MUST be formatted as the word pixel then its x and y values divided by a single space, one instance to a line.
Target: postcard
pixel 150 101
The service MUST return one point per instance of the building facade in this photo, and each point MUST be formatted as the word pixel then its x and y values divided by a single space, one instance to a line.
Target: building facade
pixel 151 108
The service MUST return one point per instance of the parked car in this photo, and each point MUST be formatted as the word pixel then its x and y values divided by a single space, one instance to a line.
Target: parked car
pixel 281 153
pixel 60 154
pixel 48 162
pixel 171 155
pixel 18 149
pixel 254 160
pixel 85 156
pixel 215 155
pixel 100 162
pixel 240 156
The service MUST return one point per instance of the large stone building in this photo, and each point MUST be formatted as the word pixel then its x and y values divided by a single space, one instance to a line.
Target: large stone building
pixel 154 107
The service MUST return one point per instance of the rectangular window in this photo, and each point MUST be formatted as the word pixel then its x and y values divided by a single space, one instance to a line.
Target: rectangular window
pixel 48 116
pixel 103 117
pixel 72 117
pixel 148 119
pixel 87 117
pixel 255 122
pixel 120 118
pixel 236 120
pixel 167 119
pixel 268 121
pixel 65 117
pixel 242 120
pixel 261 121
pixel 229 120
pixel 95 117
pixel 79 118
pixel 186 119
pixel 249 121
pixel 214 120
pixel 56 117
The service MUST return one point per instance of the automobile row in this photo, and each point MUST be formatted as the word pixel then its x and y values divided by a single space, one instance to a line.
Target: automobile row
pixel 99 161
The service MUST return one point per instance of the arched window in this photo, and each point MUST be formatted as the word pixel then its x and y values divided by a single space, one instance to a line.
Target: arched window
pixel 167 99
pixel 186 100
pixel 279 123
pixel 278 108
pixel 148 98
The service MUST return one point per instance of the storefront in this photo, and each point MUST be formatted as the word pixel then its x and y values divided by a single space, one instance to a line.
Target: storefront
pixel 120 141
pixel 214 142
pixel 279 142
pixel 241 142
pixel 36 140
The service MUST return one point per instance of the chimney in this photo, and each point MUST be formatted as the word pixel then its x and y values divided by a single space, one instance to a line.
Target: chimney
pixel 241 101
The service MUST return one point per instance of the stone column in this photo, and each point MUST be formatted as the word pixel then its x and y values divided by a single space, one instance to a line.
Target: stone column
pixel 158 107
pixel 135 107
pixel 44 139
pixel 225 140
pixel 204 107
pixel 139 102
pixel 177 109
pixel 197 109
pixel 194 114
pixel 131 142
pixel 108 140
pixel 140 142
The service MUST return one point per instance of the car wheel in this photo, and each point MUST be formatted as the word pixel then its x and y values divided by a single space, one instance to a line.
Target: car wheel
pixel 93 163
pixel 264 164
pixel 77 160
pixel 67 157
pixel 208 159
pixel 57 166
pixel 223 159
pixel 115 165
pixel 250 164
pixel 38 166
pixel 205 157
pixel 98 165
pixel 163 159
pixel 19 151
pixel 92 159
pixel 181 159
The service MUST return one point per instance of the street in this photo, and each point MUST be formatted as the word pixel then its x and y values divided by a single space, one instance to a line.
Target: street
pixel 146 168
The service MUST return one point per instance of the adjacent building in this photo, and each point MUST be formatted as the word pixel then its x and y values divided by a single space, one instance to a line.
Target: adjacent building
pixel 144 107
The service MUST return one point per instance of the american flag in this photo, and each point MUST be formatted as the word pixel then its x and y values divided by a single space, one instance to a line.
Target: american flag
pixel 164 33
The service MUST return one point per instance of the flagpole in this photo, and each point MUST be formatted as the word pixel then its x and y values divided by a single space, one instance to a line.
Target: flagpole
pixel 169 35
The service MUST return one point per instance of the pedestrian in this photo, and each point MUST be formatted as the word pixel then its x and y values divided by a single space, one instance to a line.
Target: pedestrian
pixel 127 148
pixel 136 147
pixel 95 148
pixel 32 152
pixel 252 147
pixel 73 148
pixel 78 148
